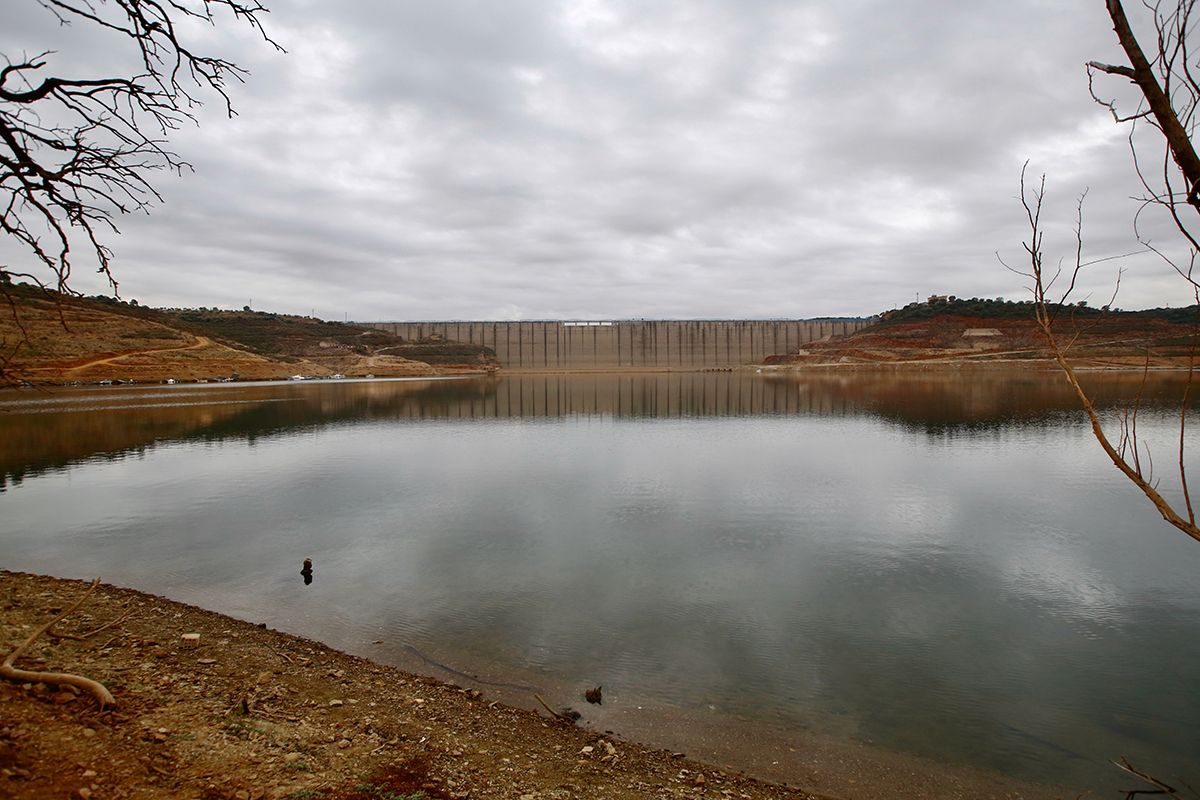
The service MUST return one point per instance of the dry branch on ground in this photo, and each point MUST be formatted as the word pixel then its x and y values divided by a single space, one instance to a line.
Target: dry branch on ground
pixel 97 689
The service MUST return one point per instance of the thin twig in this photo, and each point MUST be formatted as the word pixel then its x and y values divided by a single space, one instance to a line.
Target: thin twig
pixel 1031 201
pixel 83 637
pixel 7 670
pixel 553 713
pixel 1159 786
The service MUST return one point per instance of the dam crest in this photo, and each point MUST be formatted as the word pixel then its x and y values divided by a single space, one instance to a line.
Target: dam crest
pixel 630 344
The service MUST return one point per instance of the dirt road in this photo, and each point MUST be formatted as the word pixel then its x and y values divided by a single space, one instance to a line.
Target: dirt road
pixel 201 341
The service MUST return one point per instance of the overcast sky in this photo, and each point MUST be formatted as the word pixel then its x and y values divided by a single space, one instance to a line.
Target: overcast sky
pixel 607 159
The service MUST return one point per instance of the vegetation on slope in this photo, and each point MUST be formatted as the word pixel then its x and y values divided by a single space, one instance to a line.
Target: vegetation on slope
pixel 953 330
pixel 999 308
pixel 53 337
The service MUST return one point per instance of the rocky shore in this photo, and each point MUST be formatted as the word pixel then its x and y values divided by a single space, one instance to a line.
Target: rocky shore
pixel 215 708
pixel 241 712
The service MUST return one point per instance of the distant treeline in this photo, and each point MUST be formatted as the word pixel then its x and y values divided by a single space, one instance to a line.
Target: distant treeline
pixel 941 305
pixel 265 333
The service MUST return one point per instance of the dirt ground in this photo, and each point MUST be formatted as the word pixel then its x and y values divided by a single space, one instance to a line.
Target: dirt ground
pixel 955 341
pixel 48 343
pixel 246 713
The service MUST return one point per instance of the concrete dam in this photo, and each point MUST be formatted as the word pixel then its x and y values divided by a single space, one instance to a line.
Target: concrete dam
pixel 630 344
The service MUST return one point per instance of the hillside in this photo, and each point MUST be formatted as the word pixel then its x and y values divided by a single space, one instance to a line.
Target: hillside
pixel 48 338
pixel 957 331
pixel 51 338
pixel 286 336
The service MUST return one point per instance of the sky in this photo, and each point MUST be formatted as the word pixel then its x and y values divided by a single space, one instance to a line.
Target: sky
pixel 617 159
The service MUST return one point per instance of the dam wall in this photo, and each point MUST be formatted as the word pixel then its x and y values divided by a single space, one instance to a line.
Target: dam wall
pixel 630 344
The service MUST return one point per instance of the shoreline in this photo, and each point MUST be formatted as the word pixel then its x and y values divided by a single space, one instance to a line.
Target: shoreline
pixel 965 363
pixel 255 713
pixel 396 376
pixel 915 366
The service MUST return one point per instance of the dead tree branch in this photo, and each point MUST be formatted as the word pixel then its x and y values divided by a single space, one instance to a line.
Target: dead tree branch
pixel 1159 786
pixel 7 670
pixel 1170 104
pixel 76 151
pixel 567 715
pixel 1172 28
pixel 53 634
pixel 1127 454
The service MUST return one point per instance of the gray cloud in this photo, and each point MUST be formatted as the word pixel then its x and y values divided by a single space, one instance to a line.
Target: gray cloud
pixel 618 159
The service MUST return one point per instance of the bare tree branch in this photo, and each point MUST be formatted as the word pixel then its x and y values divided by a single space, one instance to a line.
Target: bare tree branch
pixel 97 689
pixel 77 152
pixel 1143 74
pixel 1169 103
pixel 1127 455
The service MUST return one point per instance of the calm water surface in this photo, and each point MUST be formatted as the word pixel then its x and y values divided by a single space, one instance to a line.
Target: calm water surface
pixel 942 566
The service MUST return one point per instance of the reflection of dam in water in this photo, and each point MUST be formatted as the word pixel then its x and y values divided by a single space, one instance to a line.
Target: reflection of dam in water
pixel 950 399
pixel 623 396
pixel 43 432
pixel 631 344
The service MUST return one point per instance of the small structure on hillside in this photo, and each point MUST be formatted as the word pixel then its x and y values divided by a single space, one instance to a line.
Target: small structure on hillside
pixel 983 338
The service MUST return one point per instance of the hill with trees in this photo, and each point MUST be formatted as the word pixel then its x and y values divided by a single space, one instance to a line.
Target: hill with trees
pixel 946 329
pixel 48 337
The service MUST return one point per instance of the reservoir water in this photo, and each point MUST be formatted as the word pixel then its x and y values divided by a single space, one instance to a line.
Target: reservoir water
pixel 939 566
